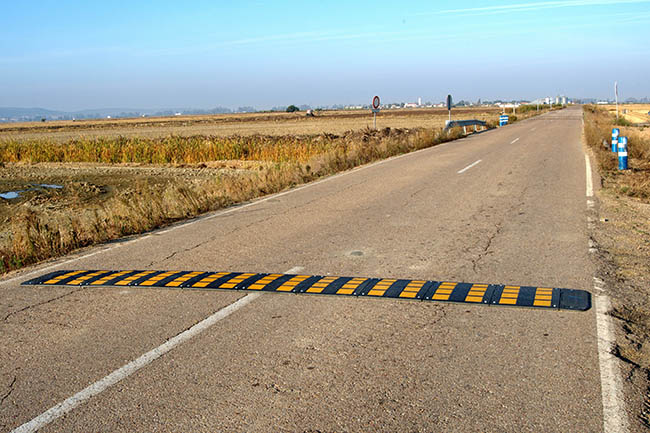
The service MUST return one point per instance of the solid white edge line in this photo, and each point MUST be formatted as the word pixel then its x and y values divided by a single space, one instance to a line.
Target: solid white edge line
pixel 123 372
pixel 590 182
pixel 101 385
pixel 514 141
pixel 468 167
pixel 614 417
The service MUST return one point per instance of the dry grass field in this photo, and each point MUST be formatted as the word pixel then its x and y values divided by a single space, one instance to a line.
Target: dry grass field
pixel 633 113
pixel 122 177
pixel 225 125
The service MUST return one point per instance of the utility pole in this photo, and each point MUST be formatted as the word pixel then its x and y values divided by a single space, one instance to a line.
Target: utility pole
pixel 616 95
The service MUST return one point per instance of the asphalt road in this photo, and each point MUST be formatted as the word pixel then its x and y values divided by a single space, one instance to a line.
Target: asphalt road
pixel 301 363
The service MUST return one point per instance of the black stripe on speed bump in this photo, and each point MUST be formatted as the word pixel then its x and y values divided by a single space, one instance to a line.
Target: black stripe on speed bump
pixel 366 286
pixel 460 292
pixel 43 278
pixel 70 278
pixel 303 286
pixel 270 287
pixel 425 289
pixel 144 278
pixel 96 277
pixel 249 281
pixel 219 281
pixel 396 288
pixel 196 279
pixel 526 296
pixel 495 294
pixel 112 281
pixel 335 285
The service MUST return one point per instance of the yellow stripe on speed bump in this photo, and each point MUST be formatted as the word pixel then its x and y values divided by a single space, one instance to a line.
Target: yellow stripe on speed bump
pixel 446 291
pixel 260 284
pixel 476 293
pixel 349 287
pixel 180 280
pixel 412 288
pixel 291 284
pixel 204 282
pixel 106 278
pixel 231 283
pixel 153 280
pixel 127 280
pixel 380 288
pixel 55 280
pixel 543 297
pixel 510 295
pixel 443 292
pixel 320 285
pixel 85 277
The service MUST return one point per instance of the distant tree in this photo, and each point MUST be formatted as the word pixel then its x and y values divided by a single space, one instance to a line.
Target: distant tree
pixel 292 108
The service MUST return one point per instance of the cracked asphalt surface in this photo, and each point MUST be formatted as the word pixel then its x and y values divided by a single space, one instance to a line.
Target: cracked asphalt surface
pixel 308 363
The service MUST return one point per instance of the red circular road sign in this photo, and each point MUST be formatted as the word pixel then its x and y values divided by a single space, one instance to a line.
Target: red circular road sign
pixel 375 102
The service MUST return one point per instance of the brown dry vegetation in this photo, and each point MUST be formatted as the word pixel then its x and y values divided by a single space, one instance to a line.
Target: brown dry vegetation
pixel 226 125
pixel 598 132
pixel 633 113
pixel 116 186
pixel 623 237
pixel 86 213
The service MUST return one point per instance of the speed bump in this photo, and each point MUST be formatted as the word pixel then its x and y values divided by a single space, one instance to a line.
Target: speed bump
pixel 439 291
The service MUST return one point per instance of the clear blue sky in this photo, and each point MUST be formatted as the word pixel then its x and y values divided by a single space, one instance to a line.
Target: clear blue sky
pixel 73 55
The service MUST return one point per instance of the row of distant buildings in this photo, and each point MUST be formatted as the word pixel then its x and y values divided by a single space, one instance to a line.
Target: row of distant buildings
pixel 560 99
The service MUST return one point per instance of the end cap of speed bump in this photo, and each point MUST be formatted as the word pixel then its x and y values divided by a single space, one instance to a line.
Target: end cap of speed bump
pixel 441 291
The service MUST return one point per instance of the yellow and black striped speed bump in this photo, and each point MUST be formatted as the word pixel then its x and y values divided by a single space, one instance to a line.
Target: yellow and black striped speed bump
pixel 489 294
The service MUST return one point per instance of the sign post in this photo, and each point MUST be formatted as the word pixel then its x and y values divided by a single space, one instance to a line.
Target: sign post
pixel 616 95
pixel 375 109
pixel 449 104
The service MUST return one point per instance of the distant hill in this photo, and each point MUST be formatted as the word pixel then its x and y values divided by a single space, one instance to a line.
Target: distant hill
pixel 16 114
pixel 21 112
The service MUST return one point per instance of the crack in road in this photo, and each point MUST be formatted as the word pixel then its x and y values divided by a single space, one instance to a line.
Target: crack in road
pixel 246 227
pixel 499 226
pixel 475 262
pixel 41 303
pixel 239 229
pixel 11 389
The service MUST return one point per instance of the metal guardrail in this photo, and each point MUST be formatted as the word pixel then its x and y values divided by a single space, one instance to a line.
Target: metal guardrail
pixel 464 123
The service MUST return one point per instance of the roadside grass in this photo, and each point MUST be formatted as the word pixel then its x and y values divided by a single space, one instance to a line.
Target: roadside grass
pixel 624 238
pixel 634 182
pixel 36 234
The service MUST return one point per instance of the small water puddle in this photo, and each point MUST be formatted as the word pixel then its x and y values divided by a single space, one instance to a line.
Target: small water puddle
pixel 48 185
pixel 10 195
